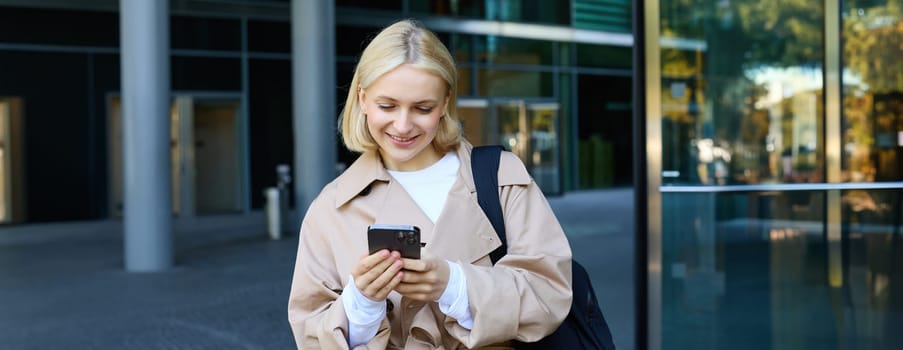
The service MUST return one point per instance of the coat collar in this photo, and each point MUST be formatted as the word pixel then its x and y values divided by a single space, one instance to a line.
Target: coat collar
pixel 369 168
pixel 358 177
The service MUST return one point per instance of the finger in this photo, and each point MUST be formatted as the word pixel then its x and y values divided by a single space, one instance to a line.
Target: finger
pixel 415 264
pixel 389 287
pixel 368 262
pixel 418 291
pixel 366 277
pixel 427 278
pixel 384 278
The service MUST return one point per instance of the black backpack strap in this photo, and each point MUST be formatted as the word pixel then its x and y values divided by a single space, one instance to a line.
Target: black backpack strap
pixel 484 162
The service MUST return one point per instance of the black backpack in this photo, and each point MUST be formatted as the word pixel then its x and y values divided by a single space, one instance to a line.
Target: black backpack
pixel 584 327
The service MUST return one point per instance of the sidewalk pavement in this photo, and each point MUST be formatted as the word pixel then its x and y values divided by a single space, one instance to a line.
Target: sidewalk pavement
pixel 64 285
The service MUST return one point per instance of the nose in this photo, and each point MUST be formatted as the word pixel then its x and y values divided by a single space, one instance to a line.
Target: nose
pixel 402 123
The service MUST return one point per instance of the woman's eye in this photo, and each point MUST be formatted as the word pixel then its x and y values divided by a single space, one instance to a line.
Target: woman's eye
pixel 386 107
pixel 425 109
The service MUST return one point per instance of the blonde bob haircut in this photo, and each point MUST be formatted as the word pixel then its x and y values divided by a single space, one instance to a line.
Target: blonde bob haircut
pixel 404 42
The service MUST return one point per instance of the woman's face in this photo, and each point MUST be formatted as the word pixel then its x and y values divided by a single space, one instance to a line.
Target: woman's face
pixel 403 109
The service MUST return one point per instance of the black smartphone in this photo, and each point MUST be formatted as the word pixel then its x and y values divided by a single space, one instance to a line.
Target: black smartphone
pixel 402 238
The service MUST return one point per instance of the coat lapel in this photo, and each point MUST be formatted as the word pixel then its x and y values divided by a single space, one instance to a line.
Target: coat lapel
pixel 462 232
pixel 398 208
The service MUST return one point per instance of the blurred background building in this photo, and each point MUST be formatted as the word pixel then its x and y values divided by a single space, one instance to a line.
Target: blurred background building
pixel 769 135
pixel 545 78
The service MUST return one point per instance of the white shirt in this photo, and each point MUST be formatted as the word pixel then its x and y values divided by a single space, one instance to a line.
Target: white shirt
pixel 429 188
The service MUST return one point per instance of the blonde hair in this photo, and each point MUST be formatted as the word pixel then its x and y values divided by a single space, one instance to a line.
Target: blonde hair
pixel 404 42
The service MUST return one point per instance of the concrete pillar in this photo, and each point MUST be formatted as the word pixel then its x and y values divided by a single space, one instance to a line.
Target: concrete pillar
pixel 313 98
pixel 144 41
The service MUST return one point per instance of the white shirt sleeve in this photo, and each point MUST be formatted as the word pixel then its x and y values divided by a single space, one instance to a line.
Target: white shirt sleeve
pixel 364 314
pixel 454 301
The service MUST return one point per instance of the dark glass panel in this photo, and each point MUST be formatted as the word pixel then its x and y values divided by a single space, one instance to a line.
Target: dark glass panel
pixel 463 8
pixel 270 120
pixel 206 73
pixel 502 50
pixel 513 83
pixel 351 40
pixel 604 131
pixel 269 36
pixel 61 138
pixel 746 271
pixel 204 33
pixel 604 56
pixel 370 4
pixel 59 27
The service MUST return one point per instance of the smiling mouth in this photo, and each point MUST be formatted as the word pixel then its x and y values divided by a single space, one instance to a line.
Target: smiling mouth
pixel 402 139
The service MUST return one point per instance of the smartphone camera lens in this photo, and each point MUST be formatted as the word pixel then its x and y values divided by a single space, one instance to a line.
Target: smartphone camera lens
pixel 400 236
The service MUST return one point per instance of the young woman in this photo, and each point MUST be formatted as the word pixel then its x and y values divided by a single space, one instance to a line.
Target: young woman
pixel 414 169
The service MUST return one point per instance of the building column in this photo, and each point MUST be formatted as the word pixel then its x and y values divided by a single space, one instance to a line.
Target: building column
pixel 313 99
pixel 144 45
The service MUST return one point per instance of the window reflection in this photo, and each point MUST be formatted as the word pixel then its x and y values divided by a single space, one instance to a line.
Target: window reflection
pixel 500 50
pixel 741 92
pixel 873 91
pixel 872 277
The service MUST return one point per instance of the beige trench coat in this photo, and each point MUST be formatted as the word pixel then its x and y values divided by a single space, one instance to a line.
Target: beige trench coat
pixel 525 296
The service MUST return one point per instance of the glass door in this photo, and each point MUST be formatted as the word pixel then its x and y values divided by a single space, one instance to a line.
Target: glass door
pixel 476 121
pixel 217 156
pixel 206 151
pixel 529 129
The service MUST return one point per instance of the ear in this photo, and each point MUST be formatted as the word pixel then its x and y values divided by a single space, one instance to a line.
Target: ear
pixel 360 97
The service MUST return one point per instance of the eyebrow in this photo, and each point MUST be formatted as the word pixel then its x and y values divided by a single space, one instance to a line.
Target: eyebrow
pixel 394 100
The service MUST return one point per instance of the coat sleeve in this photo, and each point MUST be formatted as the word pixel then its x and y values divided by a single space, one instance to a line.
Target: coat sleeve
pixel 315 311
pixel 527 294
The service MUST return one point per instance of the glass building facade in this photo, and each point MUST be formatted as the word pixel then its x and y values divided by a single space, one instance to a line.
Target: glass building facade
pixel 775 174
pixel 546 79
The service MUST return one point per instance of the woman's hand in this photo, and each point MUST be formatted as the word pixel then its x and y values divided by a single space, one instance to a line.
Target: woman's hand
pixel 424 279
pixel 378 274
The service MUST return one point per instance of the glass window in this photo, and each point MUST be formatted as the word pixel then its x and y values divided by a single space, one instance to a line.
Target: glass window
pixel 501 50
pixel 461 47
pixel 370 4
pixel 742 92
pixel 206 73
pixel 870 278
pixel 604 56
pixel 269 36
pixel 605 15
pixel 872 91
pixel 60 27
pixel 269 123
pixel 513 83
pixel 532 11
pixel 604 130
pixel 747 270
pixel 535 11
pixel 351 41
pixel 204 33
pixel 464 81
pixel 460 8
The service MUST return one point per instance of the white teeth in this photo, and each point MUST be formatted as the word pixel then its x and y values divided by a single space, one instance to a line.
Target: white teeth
pixel 401 139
